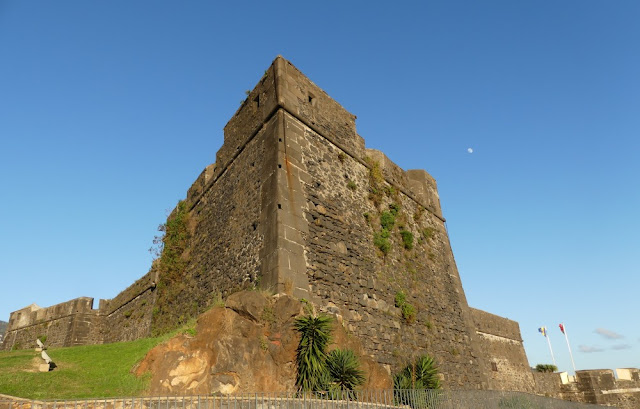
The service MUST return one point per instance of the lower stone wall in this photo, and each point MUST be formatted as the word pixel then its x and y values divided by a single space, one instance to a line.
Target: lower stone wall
pixel 507 363
pixel 598 386
pixel 126 317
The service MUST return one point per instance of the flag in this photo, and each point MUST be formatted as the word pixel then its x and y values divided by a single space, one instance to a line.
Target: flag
pixel 543 331
pixel 561 328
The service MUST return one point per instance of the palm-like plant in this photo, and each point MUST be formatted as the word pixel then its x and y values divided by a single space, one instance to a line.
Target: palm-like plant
pixel 422 374
pixel 311 357
pixel 344 369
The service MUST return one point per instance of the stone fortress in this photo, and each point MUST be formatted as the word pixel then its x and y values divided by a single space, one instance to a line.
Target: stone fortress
pixel 295 203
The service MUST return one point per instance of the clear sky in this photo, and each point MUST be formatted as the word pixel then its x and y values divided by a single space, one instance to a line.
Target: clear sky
pixel 110 109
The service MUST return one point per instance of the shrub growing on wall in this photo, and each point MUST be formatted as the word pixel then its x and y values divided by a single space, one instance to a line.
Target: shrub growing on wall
pixel 171 264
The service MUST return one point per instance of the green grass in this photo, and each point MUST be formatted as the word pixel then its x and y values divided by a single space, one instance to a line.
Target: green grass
pixel 90 371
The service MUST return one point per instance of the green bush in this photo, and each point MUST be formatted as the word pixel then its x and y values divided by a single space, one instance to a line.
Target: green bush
pixel 344 369
pixel 408 311
pixel 400 299
pixel 387 220
pixel 311 356
pixel 419 375
pixel 381 241
pixel 546 368
pixel 407 239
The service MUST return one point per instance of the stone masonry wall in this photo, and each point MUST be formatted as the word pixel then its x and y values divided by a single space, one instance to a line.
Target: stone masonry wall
pixel 75 322
pixel 128 315
pixel 500 341
pixel 228 229
pixel 598 386
pixel 349 275
pixel 65 324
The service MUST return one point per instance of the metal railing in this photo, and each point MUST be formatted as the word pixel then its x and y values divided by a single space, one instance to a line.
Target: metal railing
pixel 369 399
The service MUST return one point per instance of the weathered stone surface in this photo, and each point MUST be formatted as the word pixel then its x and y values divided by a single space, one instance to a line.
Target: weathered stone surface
pixel 249 304
pixel 233 352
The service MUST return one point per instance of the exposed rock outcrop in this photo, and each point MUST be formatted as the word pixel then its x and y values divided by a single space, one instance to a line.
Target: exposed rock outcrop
pixel 247 346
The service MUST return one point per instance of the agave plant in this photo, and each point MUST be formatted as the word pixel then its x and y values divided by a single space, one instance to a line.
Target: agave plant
pixel 311 356
pixel 344 369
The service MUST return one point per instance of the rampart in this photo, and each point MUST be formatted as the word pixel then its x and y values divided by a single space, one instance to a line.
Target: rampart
pixel 75 322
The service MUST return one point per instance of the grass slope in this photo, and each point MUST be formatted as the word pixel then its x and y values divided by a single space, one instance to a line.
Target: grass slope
pixel 90 371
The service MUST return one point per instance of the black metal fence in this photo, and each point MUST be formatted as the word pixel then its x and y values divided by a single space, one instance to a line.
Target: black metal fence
pixel 379 399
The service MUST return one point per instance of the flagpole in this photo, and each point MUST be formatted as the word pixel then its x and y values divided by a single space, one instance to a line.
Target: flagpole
pixel 566 337
pixel 551 350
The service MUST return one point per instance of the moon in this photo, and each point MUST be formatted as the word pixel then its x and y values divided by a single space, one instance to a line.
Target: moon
pixel 469 150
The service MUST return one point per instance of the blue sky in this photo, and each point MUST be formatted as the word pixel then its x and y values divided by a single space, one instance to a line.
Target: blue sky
pixel 109 110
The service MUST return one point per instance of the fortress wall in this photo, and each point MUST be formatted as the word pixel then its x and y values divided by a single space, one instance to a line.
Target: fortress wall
pixel 507 363
pixel 350 276
pixel 65 324
pixel 600 386
pixel 227 232
pixel 75 322
pixel 128 315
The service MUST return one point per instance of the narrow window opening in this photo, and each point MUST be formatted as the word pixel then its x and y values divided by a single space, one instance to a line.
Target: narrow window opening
pixel 279 165
pixel 279 206
pixel 311 99
pixel 494 366
pixel 256 101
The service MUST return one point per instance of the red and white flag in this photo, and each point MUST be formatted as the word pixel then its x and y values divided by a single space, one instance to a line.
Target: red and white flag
pixel 561 328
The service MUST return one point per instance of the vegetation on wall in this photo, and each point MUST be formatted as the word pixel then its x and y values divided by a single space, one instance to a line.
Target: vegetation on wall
pixel 407 239
pixel 171 247
pixel 408 311
pixel 376 181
